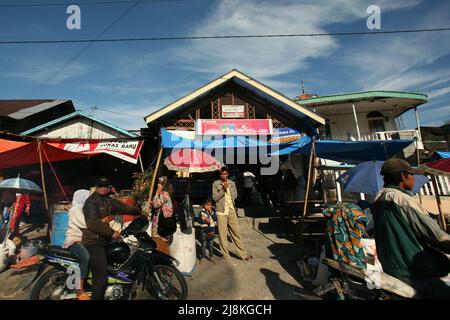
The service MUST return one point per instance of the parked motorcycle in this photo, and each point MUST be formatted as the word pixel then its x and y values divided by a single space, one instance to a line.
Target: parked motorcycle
pixel 136 270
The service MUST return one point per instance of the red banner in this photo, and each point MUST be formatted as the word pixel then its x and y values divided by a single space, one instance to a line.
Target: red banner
pixel 127 150
pixel 233 127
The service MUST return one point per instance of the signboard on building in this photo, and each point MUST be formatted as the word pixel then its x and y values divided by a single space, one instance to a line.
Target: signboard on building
pixel 233 111
pixel 233 127
pixel 127 150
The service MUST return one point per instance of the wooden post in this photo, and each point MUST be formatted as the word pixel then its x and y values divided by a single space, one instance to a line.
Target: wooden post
pixel 140 162
pixel 50 218
pixel 152 185
pixel 309 177
pixel 305 204
pixel 438 200
pixel 42 175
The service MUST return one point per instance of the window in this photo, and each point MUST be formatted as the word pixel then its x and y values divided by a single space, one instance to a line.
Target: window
pixel 376 121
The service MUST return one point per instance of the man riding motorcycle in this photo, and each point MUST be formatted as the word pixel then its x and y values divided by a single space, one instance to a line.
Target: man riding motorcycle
pixel 98 233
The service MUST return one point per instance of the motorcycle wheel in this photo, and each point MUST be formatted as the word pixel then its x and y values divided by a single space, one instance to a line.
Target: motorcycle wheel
pixel 50 285
pixel 174 286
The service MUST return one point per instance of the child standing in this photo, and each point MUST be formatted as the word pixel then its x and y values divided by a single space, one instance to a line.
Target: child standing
pixel 207 221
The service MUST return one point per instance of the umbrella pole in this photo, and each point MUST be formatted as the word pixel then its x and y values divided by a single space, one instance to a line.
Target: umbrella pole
pixel 438 201
pixel 155 173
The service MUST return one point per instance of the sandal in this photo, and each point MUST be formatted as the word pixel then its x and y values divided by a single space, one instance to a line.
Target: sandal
pixel 84 296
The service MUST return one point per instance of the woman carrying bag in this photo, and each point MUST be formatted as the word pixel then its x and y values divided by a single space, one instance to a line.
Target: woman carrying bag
pixel 163 219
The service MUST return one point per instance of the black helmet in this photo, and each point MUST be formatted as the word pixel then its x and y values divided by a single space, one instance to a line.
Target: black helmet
pixel 117 253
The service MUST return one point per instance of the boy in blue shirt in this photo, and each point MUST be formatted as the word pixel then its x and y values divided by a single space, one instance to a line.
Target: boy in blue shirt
pixel 206 223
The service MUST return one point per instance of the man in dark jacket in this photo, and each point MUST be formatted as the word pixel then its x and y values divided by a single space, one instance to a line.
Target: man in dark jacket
pixel 98 233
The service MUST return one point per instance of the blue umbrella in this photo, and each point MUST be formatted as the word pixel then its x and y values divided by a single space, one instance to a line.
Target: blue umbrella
pixel 366 178
pixel 20 185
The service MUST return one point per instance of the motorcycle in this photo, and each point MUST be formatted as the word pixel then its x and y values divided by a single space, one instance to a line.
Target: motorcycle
pixel 136 270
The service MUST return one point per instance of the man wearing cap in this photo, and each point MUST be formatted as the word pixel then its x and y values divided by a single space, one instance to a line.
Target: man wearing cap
pixel 405 235
pixel 98 233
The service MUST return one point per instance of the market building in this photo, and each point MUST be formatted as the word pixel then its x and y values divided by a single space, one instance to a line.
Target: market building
pixel 233 100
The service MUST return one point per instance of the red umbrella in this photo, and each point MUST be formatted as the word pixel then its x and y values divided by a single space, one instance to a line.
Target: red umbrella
pixel 438 168
pixel 192 160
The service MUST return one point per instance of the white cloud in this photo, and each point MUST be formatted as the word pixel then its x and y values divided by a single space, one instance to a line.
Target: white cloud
pixel 47 71
pixel 439 92
pixel 130 115
pixel 266 58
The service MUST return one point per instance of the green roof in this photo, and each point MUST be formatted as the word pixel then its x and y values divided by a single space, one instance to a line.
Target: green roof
pixel 364 95
pixel 75 114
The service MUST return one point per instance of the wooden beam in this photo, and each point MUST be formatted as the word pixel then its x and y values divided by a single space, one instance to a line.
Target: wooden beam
pixel 439 204
pixel 152 185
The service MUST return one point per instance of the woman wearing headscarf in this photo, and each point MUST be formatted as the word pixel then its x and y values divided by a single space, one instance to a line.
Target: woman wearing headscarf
pixel 73 238
pixel 162 204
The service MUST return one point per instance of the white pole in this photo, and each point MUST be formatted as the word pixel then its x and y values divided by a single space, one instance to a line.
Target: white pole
pixel 418 124
pixel 356 122
pixel 338 187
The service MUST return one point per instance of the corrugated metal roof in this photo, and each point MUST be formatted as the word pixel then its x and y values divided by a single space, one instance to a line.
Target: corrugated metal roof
pixel 19 109
pixel 355 96
pixel 74 115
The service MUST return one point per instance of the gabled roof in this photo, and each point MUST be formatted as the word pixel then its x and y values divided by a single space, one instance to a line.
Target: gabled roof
pixel 19 109
pixel 247 82
pixel 75 115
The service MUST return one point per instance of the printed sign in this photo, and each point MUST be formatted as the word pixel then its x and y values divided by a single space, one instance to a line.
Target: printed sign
pixel 127 150
pixel 285 135
pixel 233 127
pixel 233 111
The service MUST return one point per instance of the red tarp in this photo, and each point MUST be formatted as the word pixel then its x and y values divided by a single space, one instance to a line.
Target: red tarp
pixel 29 154
pixel 17 154
pixel 438 168
pixel 6 145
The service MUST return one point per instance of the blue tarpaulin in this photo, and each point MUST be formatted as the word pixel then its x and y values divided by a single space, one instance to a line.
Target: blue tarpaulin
pixel 351 151
pixel 185 139
pixel 366 178
pixel 438 155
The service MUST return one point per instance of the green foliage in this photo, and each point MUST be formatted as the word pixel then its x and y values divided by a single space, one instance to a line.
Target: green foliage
pixel 141 186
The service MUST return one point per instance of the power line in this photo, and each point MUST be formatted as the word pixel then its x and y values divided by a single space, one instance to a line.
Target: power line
pixel 118 113
pixel 79 3
pixel 365 33
pixel 80 52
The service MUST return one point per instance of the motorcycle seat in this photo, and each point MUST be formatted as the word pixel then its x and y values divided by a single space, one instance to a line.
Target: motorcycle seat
pixel 59 252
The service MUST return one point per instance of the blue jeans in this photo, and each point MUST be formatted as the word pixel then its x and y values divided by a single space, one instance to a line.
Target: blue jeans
pixel 207 244
pixel 82 254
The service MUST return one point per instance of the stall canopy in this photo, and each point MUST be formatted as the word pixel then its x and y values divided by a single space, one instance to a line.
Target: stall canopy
pixel 16 154
pixel 350 151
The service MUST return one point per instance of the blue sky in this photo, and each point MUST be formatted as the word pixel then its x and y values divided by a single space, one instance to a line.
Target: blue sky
pixel 131 80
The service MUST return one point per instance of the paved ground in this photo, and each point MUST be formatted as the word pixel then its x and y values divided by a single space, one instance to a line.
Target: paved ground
pixel 272 275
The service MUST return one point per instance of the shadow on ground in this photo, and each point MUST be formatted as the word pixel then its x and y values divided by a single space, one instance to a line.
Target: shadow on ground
pixel 287 256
